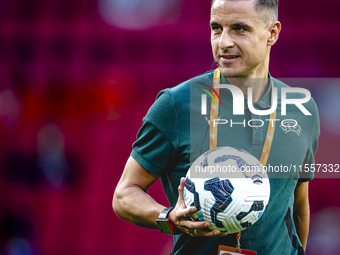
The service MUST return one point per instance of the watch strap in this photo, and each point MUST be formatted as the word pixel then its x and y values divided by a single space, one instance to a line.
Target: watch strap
pixel 165 212
pixel 163 220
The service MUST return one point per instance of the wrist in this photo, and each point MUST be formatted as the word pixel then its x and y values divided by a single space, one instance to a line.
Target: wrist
pixel 165 223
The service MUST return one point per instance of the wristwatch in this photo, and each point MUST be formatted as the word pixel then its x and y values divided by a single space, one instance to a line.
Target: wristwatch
pixel 165 224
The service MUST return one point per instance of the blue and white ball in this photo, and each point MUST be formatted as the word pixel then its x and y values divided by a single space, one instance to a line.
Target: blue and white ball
pixel 232 200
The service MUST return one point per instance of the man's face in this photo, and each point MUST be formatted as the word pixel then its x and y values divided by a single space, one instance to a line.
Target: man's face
pixel 239 39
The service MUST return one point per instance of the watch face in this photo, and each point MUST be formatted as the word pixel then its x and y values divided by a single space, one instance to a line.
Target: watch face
pixel 164 226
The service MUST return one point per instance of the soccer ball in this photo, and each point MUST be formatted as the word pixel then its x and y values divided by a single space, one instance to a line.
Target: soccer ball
pixel 231 191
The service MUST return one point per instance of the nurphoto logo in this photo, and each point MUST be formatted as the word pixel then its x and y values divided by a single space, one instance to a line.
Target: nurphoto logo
pixel 238 106
pixel 238 100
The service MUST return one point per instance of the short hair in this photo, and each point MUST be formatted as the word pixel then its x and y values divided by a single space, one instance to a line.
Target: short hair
pixel 272 5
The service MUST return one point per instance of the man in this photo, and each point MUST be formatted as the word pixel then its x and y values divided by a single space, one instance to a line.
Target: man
pixel 242 34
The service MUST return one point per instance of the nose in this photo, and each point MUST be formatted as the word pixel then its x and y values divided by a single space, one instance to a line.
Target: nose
pixel 226 41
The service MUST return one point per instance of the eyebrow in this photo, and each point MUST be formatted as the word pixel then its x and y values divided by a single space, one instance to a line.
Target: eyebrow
pixel 241 24
pixel 213 23
pixel 237 24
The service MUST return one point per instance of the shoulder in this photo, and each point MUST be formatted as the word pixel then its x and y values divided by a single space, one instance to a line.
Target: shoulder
pixel 171 109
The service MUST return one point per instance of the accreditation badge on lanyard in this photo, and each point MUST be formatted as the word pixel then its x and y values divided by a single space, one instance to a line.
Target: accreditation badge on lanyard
pixel 214 107
pixel 225 250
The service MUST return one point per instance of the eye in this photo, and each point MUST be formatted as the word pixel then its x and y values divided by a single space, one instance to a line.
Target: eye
pixel 216 28
pixel 240 29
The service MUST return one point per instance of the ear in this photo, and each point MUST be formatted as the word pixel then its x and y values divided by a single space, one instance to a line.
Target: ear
pixel 274 31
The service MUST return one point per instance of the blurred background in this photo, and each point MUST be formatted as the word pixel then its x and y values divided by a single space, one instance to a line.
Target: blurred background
pixel 76 78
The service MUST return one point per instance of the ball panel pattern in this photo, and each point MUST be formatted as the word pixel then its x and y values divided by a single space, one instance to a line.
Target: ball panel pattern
pixel 230 204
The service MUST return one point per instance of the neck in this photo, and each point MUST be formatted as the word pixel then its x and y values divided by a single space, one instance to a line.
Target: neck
pixel 259 86
pixel 258 80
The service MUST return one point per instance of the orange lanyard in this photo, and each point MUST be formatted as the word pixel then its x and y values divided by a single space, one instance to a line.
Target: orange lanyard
pixel 213 129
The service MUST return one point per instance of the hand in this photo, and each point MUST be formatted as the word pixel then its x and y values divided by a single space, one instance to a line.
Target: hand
pixel 180 218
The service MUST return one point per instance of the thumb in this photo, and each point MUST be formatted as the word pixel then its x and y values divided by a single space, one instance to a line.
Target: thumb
pixel 181 190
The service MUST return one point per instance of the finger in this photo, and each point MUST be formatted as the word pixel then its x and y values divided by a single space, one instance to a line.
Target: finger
pixel 181 201
pixel 204 232
pixel 181 189
pixel 191 225
pixel 186 212
pixel 209 232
